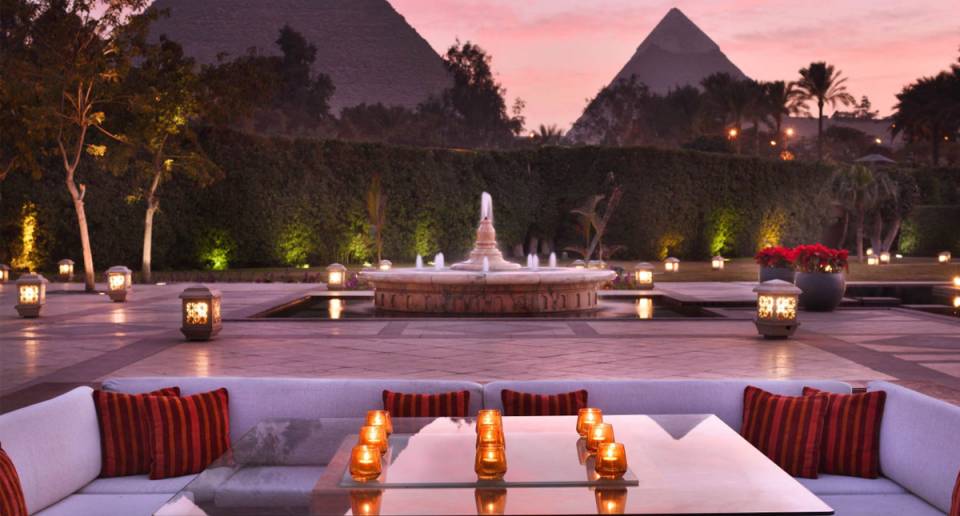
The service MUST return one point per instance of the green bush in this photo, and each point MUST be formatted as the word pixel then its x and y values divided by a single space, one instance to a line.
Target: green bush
pixel 930 230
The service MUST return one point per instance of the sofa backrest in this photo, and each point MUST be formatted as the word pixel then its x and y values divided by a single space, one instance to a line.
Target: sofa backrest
pixel 721 397
pixel 55 446
pixel 919 443
pixel 255 399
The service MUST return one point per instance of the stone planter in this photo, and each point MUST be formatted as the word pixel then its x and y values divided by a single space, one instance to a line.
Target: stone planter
pixel 781 273
pixel 822 291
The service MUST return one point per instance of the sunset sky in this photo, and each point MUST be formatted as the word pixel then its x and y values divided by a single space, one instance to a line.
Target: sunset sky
pixel 556 54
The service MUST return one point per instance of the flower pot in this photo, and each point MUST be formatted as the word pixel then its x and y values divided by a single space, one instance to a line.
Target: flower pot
pixel 822 291
pixel 780 273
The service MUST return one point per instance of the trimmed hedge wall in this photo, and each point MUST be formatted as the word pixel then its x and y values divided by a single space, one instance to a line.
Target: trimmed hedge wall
pixel 286 202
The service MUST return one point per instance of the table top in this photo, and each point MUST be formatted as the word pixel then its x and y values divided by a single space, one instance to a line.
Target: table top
pixel 685 464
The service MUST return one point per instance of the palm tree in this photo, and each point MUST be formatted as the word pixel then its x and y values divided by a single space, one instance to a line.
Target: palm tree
pixel 823 82
pixel 732 99
pixel 781 99
pixel 929 109
pixel 548 135
pixel 860 191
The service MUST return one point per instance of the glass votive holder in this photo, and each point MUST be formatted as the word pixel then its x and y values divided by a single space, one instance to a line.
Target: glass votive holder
pixel 489 417
pixel 374 436
pixel 600 433
pixel 365 502
pixel 611 501
pixel 365 464
pixel 380 418
pixel 611 460
pixel 490 501
pixel 490 434
pixel 491 462
pixel 586 418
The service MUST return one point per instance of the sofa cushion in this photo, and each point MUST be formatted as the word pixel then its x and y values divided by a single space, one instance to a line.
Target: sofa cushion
pixel 137 484
pixel 441 404
pixel 55 445
pixel 527 404
pixel 851 433
pixel 11 492
pixel 879 505
pixel 955 504
pixel 255 399
pixel 826 484
pixel 103 505
pixel 919 448
pixel 188 433
pixel 721 397
pixel 787 429
pixel 124 436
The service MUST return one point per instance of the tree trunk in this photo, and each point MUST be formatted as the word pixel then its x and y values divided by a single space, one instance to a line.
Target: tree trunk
pixel 860 217
pixel 892 232
pixel 145 268
pixel 77 196
pixel 876 238
pixel 845 230
pixel 820 135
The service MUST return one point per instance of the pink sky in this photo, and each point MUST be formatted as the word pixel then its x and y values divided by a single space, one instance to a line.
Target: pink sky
pixel 556 54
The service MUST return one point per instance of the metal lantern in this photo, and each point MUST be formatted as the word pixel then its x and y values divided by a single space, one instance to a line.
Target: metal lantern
pixel 643 276
pixel 716 263
pixel 873 260
pixel 671 264
pixel 885 258
pixel 65 269
pixel 31 294
pixel 944 257
pixel 777 309
pixel 336 277
pixel 119 283
pixel 385 265
pixel 4 273
pixel 201 313
pixel 579 264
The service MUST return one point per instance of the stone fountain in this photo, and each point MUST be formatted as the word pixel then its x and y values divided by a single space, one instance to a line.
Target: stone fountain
pixel 487 284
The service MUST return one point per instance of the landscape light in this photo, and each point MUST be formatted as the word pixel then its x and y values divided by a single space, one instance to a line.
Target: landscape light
pixel 578 264
pixel 716 263
pixel 643 276
pixel 956 281
pixel 790 131
pixel 671 264
pixel 4 273
pixel 119 282
pixel 31 295
pixel 869 251
pixel 201 313
pixel 885 257
pixel 878 141
pixel 732 133
pixel 385 265
pixel 773 143
pixel 873 260
pixel 944 257
pixel 65 269
pixel 777 309
pixel 336 276
pixel 596 265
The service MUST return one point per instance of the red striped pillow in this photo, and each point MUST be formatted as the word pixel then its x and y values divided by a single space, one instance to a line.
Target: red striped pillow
pixel 527 404
pixel 11 492
pixel 188 433
pixel 955 506
pixel 851 433
pixel 787 429
pixel 124 432
pixel 445 404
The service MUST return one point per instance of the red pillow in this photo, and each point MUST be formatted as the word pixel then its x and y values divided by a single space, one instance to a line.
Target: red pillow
pixel 445 404
pixel 124 432
pixel 851 433
pixel 188 433
pixel 955 506
pixel 526 404
pixel 11 492
pixel 787 429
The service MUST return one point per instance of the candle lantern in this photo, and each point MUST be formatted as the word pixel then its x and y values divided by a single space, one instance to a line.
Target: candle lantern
pixel 596 265
pixel 869 251
pixel 4 273
pixel 201 313
pixel 716 263
pixel 380 418
pixel 65 269
pixel 336 277
pixel 491 462
pixel 490 434
pixel 643 276
pixel 671 264
pixel 586 418
pixel 599 433
pixel 885 257
pixel 31 294
pixel 611 501
pixel 777 308
pixel 490 501
pixel 611 460
pixel 385 265
pixel 119 282
pixel 578 264
pixel 944 257
pixel 374 436
pixel 873 260
pixel 365 462
pixel 365 502
pixel 489 417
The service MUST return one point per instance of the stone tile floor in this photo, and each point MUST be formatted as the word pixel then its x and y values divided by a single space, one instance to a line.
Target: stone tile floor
pixel 84 338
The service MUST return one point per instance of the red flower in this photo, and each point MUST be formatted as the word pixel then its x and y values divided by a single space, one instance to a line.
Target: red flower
pixel 776 257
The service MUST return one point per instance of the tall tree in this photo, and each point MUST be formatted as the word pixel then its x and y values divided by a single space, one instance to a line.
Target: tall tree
pixel 781 99
pixel 732 100
pixel 929 109
pixel 823 83
pixel 19 89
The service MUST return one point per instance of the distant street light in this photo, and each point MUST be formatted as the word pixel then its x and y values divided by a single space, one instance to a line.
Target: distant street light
pixel 790 132
pixel 732 133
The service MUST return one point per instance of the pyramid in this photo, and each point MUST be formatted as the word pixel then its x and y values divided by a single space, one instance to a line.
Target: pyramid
pixel 366 47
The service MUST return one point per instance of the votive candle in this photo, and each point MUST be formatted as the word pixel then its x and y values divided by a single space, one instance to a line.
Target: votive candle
pixel 490 434
pixel 374 436
pixel 489 417
pixel 365 462
pixel 586 418
pixel 380 418
pixel 611 460
pixel 600 433
pixel 491 462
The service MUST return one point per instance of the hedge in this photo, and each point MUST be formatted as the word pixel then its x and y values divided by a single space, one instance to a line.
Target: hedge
pixel 286 202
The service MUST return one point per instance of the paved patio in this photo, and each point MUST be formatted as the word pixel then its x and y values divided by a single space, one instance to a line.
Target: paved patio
pixel 84 338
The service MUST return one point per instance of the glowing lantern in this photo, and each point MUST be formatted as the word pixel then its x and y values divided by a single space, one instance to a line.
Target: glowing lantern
pixel 578 264
pixel 201 313
pixel 336 277
pixel 119 282
pixel 869 251
pixel 944 257
pixel 596 265
pixel 716 263
pixel 643 276
pixel 885 258
pixel 671 264
pixel 777 308
pixel 31 295
pixel 385 265
pixel 4 273
pixel 65 268
pixel 873 260
pixel 956 281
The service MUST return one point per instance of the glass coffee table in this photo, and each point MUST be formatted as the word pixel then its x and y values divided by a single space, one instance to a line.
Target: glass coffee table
pixel 679 464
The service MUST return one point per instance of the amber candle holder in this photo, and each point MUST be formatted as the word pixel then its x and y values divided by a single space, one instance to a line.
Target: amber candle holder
pixel 611 501
pixel 380 418
pixel 491 462
pixel 489 417
pixel 365 502
pixel 586 418
pixel 374 436
pixel 611 460
pixel 365 462
pixel 490 435
pixel 600 433
pixel 490 501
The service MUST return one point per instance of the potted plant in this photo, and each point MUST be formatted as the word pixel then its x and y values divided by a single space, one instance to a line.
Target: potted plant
pixel 776 263
pixel 821 275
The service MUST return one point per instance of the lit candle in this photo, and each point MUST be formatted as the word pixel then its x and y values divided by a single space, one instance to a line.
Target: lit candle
pixel 490 501
pixel 611 501
pixel 490 434
pixel 365 502
pixel 489 417
pixel 374 436
pixel 365 462
pixel 380 418
pixel 611 460
pixel 600 433
pixel 586 418
pixel 491 462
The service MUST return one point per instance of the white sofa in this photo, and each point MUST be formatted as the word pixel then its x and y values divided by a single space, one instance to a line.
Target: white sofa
pixel 56 444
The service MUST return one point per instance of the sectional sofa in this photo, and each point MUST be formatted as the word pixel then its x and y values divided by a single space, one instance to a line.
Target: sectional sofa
pixel 56 444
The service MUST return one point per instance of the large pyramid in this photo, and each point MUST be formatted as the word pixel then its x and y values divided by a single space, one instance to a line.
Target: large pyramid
pixel 366 47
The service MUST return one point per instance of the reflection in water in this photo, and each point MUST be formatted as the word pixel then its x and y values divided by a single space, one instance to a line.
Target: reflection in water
pixel 201 362
pixel 611 501
pixel 335 308
pixel 490 501
pixel 645 308
pixel 365 502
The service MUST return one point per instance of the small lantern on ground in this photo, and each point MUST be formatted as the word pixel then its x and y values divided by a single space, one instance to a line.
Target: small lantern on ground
pixel 31 294
pixel 336 277
pixel 885 258
pixel 596 265
pixel 119 282
pixel 65 269
pixel 578 264
pixel 385 265
pixel 873 260
pixel 201 313
pixel 716 263
pixel 869 251
pixel 944 257
pixel 671 264
pixel 777 309
pixel 4 273
pixel 643 276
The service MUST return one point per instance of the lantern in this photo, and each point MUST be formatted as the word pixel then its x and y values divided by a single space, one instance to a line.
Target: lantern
pixel 716 263
pixel 869 251
pixel 643 276
pixel 596 265
pixel 385 265
pixel 65 269
pixel 671 264
pixel 885 257
pixel 336 277
pixel 873 260
pixel 119 282
pixel 578 264
pixel 201 313
pixel 31 295
pixel 4 273
pixel 777 308
pixel 944 257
